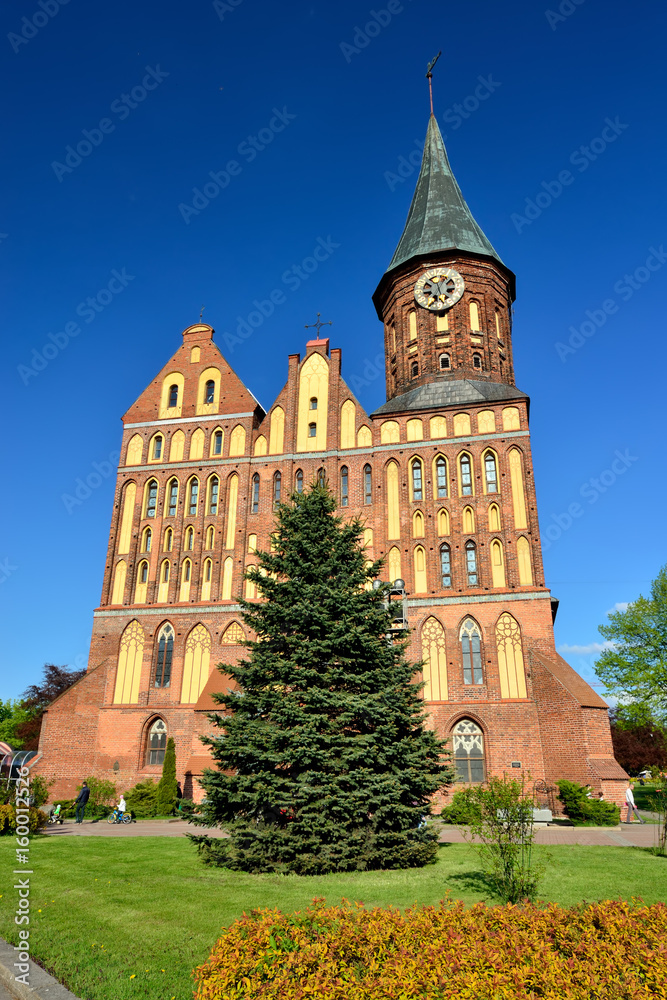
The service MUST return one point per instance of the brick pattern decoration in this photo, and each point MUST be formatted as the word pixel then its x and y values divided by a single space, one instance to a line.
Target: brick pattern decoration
pixel 556 731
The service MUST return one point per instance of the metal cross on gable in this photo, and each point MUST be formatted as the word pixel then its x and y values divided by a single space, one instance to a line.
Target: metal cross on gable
pixel 318 325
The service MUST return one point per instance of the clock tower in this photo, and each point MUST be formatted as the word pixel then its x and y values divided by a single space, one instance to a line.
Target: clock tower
pixel 445 299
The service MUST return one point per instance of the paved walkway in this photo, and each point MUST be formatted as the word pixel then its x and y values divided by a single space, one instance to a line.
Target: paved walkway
pixel 634 835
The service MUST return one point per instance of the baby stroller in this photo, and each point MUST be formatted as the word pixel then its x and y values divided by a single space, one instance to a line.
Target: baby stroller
pixel 55 816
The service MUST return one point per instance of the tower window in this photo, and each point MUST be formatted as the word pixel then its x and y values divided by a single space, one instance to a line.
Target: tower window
pixel 210 536
pixel 277 483
pixel 466 476
pixel 217 443
pixel 213 495
pixel 165 652
pixel 412 325
pixel 168 541
pixel 445 566
pixel 312 430
pixel 157 743
pixel 189 538
pixel 477 361
pixel 146 539
pixel 321 477
pixel 157 447
pixel 474 316
pixel 173 396
pixel 368 484
pixel 498 334
pixel 143 572
pixel 194 494
pixel 417 482
pixel 471 649
pixel 471 564
pixel 344 497
pixel 173 498
pixel 209 391
pixel 491 472
pixel 441 477
pixel 254 505
pixel 151 499
pixel 414 369
pixel 445 363
pixel 313 403
pixel 298 481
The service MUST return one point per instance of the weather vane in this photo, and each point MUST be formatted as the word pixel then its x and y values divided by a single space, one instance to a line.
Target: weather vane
pixel 429 75
pixel 318 325
pixel 201 313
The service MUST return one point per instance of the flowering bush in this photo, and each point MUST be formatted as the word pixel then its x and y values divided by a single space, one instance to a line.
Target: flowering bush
pixel 610 950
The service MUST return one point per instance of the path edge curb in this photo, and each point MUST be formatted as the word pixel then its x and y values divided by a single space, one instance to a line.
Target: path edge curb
pixel 43 985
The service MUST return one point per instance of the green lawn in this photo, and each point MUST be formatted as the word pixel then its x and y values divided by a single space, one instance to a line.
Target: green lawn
pixel 104 910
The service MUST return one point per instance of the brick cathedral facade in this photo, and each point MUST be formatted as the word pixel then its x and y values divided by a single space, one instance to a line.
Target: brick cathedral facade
pixel 441 475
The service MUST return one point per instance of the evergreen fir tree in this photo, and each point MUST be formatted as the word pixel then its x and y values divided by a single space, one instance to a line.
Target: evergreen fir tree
pixel 167 786
pixel 325 762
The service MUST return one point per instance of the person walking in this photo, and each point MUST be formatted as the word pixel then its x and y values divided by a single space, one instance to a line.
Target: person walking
pixel 81 801
pixel 632 808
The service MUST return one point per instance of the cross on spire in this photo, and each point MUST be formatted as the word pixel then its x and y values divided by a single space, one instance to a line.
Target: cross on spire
pixel 318 324
pixel 429 75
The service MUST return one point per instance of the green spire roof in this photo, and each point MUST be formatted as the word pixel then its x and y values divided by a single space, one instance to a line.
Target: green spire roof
pixel 439 218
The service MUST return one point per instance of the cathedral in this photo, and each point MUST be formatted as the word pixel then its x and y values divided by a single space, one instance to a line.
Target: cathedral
pixel 441 475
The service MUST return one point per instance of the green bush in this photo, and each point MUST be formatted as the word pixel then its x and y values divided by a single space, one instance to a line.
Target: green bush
pixel 167 785
pixel 212 851
pixel 36 819
pixel 186 808
pixel 583 811
pixel 464 808
pixel 142 800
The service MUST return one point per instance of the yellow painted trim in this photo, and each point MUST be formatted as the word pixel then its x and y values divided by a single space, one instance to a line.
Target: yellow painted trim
pixel 472 473
pixel 119 576
pixel 468 521
pixel 127 519
pixel 486 422
pixel 211 452
pixel 163 585
pixel 135 449
pixel 523 560
pixel 442 321
pixel 168 540
pixel 412 325
pixel 485 486
pixel 510 658
pixel 393 504
pixel 141 589
pixel 252 543
pixel 434 655
pixel 414 430
pixel 177 447
pixel 474 315
pixel 438 427
pixel 261 446
pixel 415 458
pixel 227 570
pixel 186 580
pixel 146 539
pixel 197 445
pixel 494 517
pixel 130 658
pixel 364 437
pixel 313 383
pixel 166 412
pixel 511 419
pixel 195 355
pixel 250 589
pixel 497 564
pixel 518 494
pixel 419 560
pixel 207 570
pixel 210 538
pixel 196 664
pixel 348 420
pixel 389 432
pixel 237 441
pixel 462 425
pixel 277 431
pixel 232 500
pixel 443 522
pixel 368 538
pixel 208 375
pixel 417 524
pixel 394 564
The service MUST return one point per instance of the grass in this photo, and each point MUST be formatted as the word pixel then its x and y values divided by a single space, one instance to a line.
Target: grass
pixel 122 919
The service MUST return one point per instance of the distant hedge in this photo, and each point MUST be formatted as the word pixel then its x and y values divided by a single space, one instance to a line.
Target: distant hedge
pixel 613 950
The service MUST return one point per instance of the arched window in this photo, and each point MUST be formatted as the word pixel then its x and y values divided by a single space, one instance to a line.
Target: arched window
pixel 486 422
pixel 189 538
pixel 414 369
pixel 471 650
pixel 130 658
pixel 510 658
pixel 498 332
pixel 417 524
pixel 146 539
pixel 186 574
pixel 216 443
pixel 394 564
pixel 364 437
pixel 197 445
pixel 389 432
pixel 497 563
pixel 419 561
pixel 468 746
pixel 277 484
pixel 177 447
pixel 142 583
pixel 252 543
pixel 158 442
pixel 163 582
pixel 461 424
pixel 261 446
pixel 134 450
pixel 443 522
pixel 237 441
pixel 232 505
pixel 312 430
pixel 151 498
pixel 321 477
pixel 206 580
pixel 474 316
pixel 298 481
pixel 523 560
pixel 445 363
pixel 193 497
pixel 168 540
pixel 412 325
pixel 445 566
pixel 250 586
pixel 277 431
pixel 313 403
pixel 210 536
pixel 477 361
pixel 173 396
pixel 468 521
pixel 438 427
pixel 344 487
pixel 213 495
pixel 414 430
pixel 368 484
pixel 209 391
pixel 440 477
pixel 127 518
pixel 165 653
pixel 254 503
pixel 157 744
pixel 118 588
pixel 417 480
pixel 471 564
pixel 227 569
pixel 494 517
pixel 172 497
pixel 465 468
pixel 434 655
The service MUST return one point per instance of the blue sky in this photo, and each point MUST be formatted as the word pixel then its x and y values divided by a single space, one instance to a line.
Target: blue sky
pixel 558 143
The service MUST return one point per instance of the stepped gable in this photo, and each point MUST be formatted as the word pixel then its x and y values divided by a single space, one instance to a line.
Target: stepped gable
pixel 235 397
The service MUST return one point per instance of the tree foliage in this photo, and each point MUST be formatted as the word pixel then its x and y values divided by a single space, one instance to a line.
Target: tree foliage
pixel 167 785
pixel 634 668
pixel 325 762
pixel 640 742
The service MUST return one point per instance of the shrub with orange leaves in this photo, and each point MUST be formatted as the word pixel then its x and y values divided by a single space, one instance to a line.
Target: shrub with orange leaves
pixel 603 951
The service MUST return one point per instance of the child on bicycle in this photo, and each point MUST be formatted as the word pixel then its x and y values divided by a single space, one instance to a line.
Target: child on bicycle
pixel 121 807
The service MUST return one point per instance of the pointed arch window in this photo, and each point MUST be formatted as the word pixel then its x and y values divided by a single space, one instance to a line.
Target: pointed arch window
pixel 209 391
pixel 491 472
pixel 445 566
pixel 344 486
pixel 466 475
pixel 173 396
pixel 206 580
pixel 468 746
pixel 471 564
pixel 168 540
pixel 189 538
pixel 445 363
pixel 142 583
pixel 163 582
pixel 157 743
pixel 210 537
pixel 146 539
pixel 277 485
pixel 494 517
pixel 172 497
pixel 165 653
pixel 151 498
pixel 368 484
pixel 254 503
pixel 298 481
pixel 474 316
pixel 417 479
pixel 471 651
pixel 441 477
pixel 193 497
pixel 477 361
pixel 498 332
pixel 213 495
pixel 321 477
pixel 216 448
pixel 158 443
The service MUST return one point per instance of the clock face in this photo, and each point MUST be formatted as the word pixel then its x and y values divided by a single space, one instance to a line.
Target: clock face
pixel 439 288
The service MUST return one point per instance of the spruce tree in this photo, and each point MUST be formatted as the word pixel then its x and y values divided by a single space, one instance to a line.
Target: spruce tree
pixel 167 786
pixel 325 763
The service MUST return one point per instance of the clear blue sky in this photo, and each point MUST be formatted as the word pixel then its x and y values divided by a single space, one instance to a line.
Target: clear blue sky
pixel 351 104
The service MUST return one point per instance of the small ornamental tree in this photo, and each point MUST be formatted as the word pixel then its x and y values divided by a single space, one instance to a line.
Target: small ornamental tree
pixel 167 785
pixel 325 762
